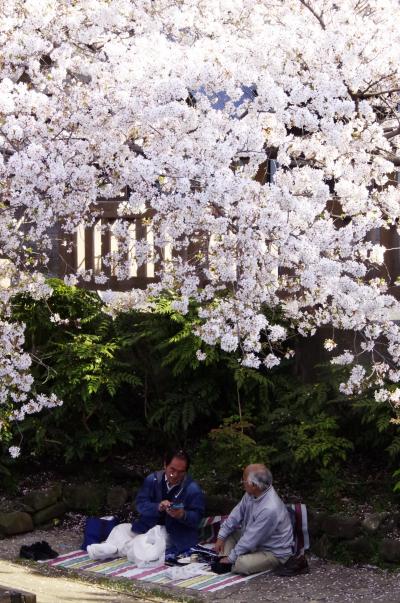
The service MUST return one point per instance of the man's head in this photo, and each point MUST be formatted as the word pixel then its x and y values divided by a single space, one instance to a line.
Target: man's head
pixel 256 479
pixel 176 464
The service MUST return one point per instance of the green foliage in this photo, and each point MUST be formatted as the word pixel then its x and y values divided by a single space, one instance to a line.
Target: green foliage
pixel 7 472
pixel 77 306
pixel 316 441
pixel 183 396
pixel 178 411
pixel 136 380
pixel 394 447
pixel 396 475
pixel 230 449
pixel 81 361
pixel 376 429
pixel 302 422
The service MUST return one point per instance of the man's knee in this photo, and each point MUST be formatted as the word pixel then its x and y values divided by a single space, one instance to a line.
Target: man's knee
pixel 255 562
pixel 241 567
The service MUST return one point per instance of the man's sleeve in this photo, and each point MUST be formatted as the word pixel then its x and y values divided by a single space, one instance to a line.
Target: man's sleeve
pixel 233 521
pixel 255 534
pixel 194 508
pixel 145 503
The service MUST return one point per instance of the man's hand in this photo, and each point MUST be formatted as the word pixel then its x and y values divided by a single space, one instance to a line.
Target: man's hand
pixel 224 560
pixel 219 545
pixel 164 505
pixel 176 513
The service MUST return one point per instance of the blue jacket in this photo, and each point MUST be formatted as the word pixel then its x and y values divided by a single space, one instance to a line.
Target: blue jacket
pixel 183 533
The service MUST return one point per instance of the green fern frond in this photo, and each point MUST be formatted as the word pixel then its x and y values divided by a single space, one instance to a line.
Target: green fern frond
pixel 394 447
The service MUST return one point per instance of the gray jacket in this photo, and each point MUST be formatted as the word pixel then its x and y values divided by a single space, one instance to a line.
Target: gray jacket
pixel 264 523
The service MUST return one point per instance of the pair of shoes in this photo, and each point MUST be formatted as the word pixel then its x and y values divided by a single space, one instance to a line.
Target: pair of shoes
pixel 38 551
pixel 293 566
pixel 220 568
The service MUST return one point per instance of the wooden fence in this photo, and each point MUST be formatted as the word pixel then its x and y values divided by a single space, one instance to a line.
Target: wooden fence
pixel 90 247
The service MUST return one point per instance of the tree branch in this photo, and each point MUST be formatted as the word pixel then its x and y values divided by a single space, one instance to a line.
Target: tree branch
pixel 316 15
pixel 375 94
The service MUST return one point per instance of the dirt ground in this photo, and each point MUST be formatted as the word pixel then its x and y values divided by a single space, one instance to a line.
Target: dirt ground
pixel 51 589
pixel 326 583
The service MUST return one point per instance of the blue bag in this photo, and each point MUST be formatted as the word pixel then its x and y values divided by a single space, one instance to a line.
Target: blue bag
pixel 97 529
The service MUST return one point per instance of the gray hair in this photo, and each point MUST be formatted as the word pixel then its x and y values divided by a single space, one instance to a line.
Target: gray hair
pixel 261 478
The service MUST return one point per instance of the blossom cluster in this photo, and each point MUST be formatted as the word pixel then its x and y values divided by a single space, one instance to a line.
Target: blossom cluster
pixel 262 139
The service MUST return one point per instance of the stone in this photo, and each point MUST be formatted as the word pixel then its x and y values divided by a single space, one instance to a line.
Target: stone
pixel 373 521
pixel 390 550
pixel 20 506
pixel 16 522
pixel 390 523
pixel 321 546
pixel 84 497
pixel 362 548
pixel 8 505
pixel 342 528
pixel 315 521
pixel 116 498
pixel 40 499
pixel 52 512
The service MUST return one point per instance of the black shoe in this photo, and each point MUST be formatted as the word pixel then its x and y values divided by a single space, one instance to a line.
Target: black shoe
pixel 220 568
pixel 38 551
pixel 293 567
pixel 27 552
pixel 45 549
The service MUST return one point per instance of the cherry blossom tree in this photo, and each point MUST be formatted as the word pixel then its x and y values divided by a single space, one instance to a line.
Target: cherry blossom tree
pixel 264 132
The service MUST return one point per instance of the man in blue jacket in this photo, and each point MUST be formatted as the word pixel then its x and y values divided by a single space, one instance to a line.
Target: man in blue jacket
pixel 173 499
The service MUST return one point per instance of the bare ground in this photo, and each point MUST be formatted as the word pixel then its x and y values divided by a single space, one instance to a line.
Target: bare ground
pixel 326 583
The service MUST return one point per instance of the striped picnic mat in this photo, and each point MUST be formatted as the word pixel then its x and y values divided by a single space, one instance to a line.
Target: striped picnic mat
pixel 122 568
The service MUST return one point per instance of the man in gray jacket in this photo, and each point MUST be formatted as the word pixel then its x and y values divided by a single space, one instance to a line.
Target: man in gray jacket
pixel 258 534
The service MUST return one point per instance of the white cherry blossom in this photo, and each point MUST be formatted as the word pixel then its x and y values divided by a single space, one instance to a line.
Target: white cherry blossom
pixel 264 132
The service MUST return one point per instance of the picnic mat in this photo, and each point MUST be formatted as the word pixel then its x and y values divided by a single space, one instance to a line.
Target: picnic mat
pixel 122 568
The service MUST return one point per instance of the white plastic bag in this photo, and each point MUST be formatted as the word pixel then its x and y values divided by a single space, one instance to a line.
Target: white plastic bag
pixel 148 549
pixel 116 545
pixel 122 537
